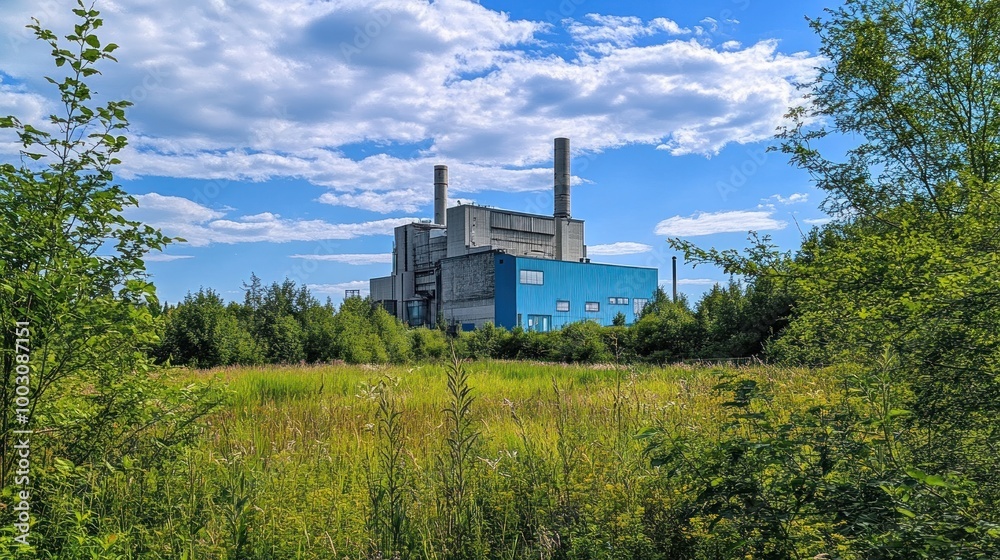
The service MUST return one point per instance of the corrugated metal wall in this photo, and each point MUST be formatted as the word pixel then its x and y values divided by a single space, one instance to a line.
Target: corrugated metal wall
pixel 580 283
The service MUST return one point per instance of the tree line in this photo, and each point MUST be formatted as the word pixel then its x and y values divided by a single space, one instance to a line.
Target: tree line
pixel 284 323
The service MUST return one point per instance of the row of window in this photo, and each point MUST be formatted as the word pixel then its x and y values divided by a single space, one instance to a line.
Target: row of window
pixel 543 323
pixel 591 306
pixel 537 278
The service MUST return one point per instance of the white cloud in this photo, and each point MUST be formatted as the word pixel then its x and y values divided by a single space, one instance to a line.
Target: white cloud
pixel 407 200
pixel 281 89
pixel 794 198
pixel 338 289
pixel 155 207
pixel 357 259
pixel 620 248
pixel 200 225
pixel 696 282
pixel 160 257
pixel 818 221
pixel 618 31
pixel 708 223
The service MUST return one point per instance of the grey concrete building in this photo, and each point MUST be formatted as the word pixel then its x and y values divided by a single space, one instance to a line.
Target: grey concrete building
pixel 447 270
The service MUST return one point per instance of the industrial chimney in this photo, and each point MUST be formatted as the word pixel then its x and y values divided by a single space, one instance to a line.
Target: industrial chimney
pixel 440 194
pixel 562 175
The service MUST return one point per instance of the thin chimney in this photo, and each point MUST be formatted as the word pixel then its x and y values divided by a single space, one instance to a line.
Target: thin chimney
pixel 562 175
pixel 440 194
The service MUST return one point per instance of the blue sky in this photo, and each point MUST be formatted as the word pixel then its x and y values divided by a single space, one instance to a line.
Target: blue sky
pixel 288 138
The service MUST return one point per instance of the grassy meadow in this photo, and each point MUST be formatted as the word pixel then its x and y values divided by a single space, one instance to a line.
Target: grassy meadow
pixel 539 461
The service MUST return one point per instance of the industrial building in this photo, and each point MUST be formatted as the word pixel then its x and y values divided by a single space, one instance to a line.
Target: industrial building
pixel 477 264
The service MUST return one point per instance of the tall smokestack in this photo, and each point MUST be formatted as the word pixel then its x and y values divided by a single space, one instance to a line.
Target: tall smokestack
pixel 675 278
pixel 440 194
pixel 562 175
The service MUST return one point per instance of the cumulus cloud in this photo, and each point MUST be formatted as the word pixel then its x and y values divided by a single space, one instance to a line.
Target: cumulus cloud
pixel 283 88
pixel 200 225
pixel 356 259
pixel 407 200
pixel 818 221
pixel 708 223
pixel 620 248
pixel 794 198
pixel 607 32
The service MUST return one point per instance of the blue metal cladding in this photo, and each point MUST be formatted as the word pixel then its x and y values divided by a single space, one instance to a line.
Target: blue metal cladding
pixel 505 291
pixel 577 283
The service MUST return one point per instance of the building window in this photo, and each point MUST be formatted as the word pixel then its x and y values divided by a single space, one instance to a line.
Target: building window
pixel 638 304
pixel 617 301
pixel 532 277
pixel 592 307
pixel 539 323
pixel 562 305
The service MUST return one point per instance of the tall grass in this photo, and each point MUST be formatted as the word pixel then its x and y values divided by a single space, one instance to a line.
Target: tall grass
pixel 498 460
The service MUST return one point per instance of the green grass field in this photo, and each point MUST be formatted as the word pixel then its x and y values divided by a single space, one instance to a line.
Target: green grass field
pixel 301 463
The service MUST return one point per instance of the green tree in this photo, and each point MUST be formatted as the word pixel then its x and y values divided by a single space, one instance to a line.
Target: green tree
pixel 73 282
pixel 582 341
pixel 202 332
pixel 619 320
pixel 284 340
pixel 904 283
pixel 740 318
pixel 356 337
pixel 667 331
pixel 486 341
pixel 318 332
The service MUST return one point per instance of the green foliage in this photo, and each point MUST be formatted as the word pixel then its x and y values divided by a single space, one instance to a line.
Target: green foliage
pixel 71 263
pixel 487 341
pixel 318 342
pixel 387 477
pixel 619 320
pixel 582 342
pixel 428 345
pixel 667 331
pixel 357 338
pixel 284 337
pixel 903 284
pixel 72 271
pixel 456 467
pixel 737 320
pixel 203 332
